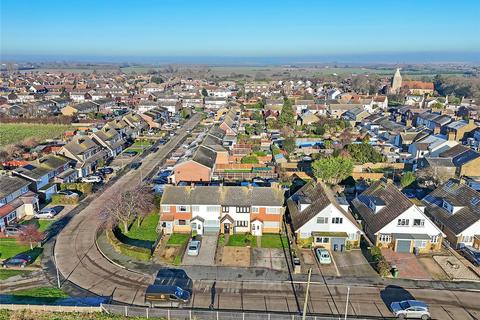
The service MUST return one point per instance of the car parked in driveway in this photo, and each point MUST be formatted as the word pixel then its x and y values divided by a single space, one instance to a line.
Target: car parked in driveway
pixel 471 254
pixel 92 179
pixel 12 230
pixel 20 260
pixel 410 309
pixel 46 213
pixel 193 248
pixel 106 170
pixel 323 256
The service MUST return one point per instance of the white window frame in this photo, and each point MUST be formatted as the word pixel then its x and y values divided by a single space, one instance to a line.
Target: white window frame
pixel 421 225
pixel 255 209
pixel 11 216
pixel 195 208
pixel 403 222
pixel 165 208
pixel 322 220
pixel 385 238
pixel 181 207
pixel 273 210
pixel 322 240
pixel 434 239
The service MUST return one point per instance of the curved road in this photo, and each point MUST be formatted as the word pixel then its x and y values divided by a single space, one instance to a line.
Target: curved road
pixel 76 254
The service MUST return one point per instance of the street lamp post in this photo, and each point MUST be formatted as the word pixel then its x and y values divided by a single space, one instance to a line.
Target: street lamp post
pixel 306 295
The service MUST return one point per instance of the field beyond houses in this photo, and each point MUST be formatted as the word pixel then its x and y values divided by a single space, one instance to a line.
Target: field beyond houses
pixel 14 133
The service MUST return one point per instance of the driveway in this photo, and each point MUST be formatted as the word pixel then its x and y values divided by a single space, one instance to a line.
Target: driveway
pixel 353 263
pixel 269 258
pixel 206 256
pixel 407 264
pixel 310 261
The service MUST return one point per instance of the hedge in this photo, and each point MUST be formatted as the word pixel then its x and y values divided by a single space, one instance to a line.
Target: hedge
pixel 63 199
pixel 380 263
pixel 83 187
pixel 305 242
pixel 142 254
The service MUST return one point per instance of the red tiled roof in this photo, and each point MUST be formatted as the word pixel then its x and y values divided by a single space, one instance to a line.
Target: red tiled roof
pixel 418 85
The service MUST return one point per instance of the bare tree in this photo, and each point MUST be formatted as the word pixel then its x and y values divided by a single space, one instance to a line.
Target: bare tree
pixel 128 205
pixel 30 234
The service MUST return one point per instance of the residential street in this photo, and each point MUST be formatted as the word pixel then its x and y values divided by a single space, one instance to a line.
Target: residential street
pixel 81 263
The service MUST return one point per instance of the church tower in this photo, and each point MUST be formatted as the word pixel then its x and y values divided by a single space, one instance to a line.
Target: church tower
pixel 396 82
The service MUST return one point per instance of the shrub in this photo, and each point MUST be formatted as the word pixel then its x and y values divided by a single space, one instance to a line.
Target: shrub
pixel 380 263
pixel 83 187
pixel 305 243
pixel 62 199
pixel 142 254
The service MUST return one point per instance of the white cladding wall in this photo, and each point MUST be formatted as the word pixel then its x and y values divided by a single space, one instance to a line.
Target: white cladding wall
pixel 412 213
pixel 204 212
pixel 471 231
pixel 330 212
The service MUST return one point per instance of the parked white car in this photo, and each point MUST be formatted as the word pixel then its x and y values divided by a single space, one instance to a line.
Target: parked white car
pixel 46 213
pixel 92 179
pixel 193 248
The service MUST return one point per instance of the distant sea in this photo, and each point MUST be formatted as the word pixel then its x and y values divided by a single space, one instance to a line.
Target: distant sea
pixel 387 58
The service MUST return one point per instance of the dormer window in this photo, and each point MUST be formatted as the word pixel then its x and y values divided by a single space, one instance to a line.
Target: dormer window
pixel 450 208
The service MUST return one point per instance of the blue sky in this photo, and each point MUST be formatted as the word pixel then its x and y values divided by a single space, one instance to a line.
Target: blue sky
pixel 236 28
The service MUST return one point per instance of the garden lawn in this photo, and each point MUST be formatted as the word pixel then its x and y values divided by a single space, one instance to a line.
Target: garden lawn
pixel 178 239
pixel 274 241
pixel 9 247
pixel 41 292
pixel 8 273
pixel 147 230
pixel 142 144
pixel 42 224
pixel 241 240
pixel 17 132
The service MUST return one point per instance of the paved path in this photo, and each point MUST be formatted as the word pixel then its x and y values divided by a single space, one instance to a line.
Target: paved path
pixel 79 260
pixel 206 256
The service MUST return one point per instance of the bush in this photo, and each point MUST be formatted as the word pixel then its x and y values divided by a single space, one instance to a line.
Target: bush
pixel 62 199
pixel 381 265
pixel 142 254
pixel 83 187
pixel 305 243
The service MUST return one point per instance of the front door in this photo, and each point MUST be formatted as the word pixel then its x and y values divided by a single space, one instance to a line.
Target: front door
pixel 226 228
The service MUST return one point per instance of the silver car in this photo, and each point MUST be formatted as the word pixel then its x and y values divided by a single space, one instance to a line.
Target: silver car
pixel 410 309
pixel 193 248
pixel 46 213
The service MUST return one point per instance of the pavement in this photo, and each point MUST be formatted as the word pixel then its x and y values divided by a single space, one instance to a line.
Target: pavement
pixel 269 258
pixel 407 264
pixel 353 263
pixel 206 255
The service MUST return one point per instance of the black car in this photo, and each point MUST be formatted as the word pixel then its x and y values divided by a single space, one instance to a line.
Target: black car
pixel 154 149
pixel 20 260
pixel 106 170
pixel 135 165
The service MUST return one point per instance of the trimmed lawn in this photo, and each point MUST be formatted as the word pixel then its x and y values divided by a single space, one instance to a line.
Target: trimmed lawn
pixel 178 239
pixel 241 240
pixel 10 247
pixel 274 241
pixel 147 230
pixel 141 144
pixel 42 224
pixel 41 292
pixel 8 273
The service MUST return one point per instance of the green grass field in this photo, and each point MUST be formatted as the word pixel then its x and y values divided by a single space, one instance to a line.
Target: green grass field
pixel 42 224
pixel 11 133
pixel 41 292
pixel 274 241
pixel 241 240
pixel 41 315
pixel 10 247
pixel 147 230
pixel 8 273
pixel 178 239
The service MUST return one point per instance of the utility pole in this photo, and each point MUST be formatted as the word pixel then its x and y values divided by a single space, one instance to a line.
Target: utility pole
pixel 346 305
pixel 56 268
pixel 306 294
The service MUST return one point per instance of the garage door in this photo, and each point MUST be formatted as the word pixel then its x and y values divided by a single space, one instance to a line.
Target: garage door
pixel 338 244
pixel 211 226
pixel 403 245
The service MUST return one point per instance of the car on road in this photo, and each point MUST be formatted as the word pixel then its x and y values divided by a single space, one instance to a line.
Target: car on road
pixel 162 141
pixel 12 230
pixel 165 293
pixel 106 170
pixel 92 179
pixel 135 165
pixel 471 254
pixel 46 213
pixel 20 260
pixel 323 256
pixel 410 309
pixel 154 149
pixel 193 248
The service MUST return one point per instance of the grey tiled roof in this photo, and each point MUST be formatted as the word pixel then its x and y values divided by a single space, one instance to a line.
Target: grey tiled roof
pixel 459 195
pixel 395 203
pixel 223 195
pixel 10 184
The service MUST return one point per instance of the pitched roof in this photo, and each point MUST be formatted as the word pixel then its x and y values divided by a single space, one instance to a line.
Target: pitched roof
pixel 205 156
pixel 10 184
pixel 459 195
pixel 222 195
pixel 318 196
pixel 384 194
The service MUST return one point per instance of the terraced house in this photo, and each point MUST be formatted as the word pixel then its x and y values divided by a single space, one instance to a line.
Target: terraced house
pixel 392 221
pixel 224 209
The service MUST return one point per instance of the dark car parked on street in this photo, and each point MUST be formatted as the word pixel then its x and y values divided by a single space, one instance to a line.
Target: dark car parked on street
pixel 20 260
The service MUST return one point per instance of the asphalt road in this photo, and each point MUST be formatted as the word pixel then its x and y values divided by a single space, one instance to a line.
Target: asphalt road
pixel 80 262
pixel 78 259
